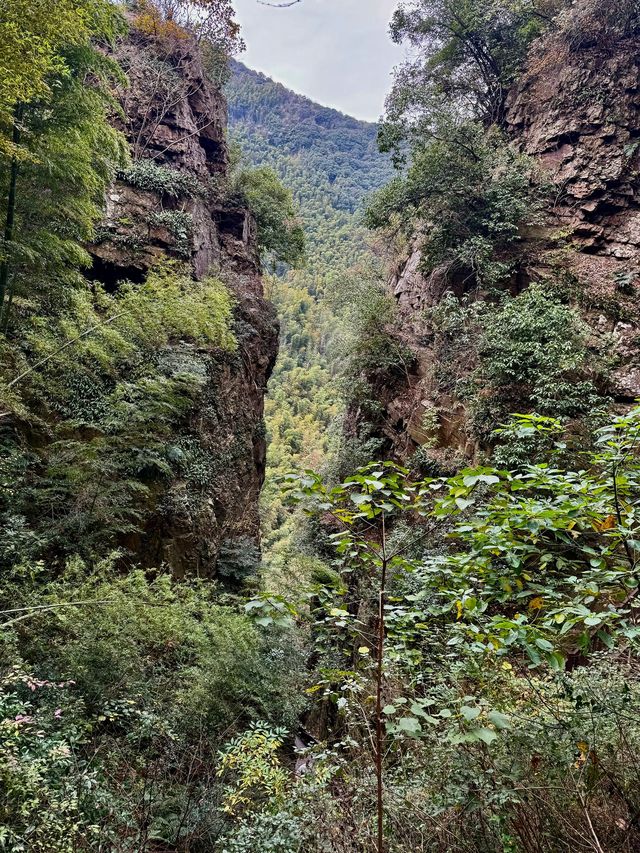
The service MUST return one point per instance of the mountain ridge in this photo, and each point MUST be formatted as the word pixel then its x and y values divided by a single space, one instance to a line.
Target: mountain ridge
pixel 338 150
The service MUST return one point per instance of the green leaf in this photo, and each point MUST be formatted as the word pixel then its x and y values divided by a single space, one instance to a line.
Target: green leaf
pixel 557 661
pixel 607 639
pixel 410 725
pixel 469 713
pixel 462 504
pixel 358 498
pixel 485 735
pixel 499 720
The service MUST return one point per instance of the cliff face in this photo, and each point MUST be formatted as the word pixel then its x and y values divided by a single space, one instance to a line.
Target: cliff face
pixel 575 110
pixel 171 204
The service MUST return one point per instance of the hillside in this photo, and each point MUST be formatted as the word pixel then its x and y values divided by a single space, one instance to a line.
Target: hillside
pixel 323 545
pixel 328 160
pixel 337 154
pixel 331 163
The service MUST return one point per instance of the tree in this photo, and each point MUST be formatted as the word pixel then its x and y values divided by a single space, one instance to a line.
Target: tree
pixel 363 506
pixel 63 150
pixel 542 570
pixel 533 358
pixel 209 21
pixel 35 35
pixel 468 53
pixel 469 192
pixel 280 236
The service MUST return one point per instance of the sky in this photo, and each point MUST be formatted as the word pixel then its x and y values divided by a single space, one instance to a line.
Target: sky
pixel 337 52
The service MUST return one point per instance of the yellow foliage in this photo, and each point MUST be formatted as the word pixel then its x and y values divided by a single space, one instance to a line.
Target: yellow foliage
pixel 254 766
pixel 607 523
pixel 151 22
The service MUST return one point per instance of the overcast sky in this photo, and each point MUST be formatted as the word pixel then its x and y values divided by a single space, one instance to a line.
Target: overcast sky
pixel 337 52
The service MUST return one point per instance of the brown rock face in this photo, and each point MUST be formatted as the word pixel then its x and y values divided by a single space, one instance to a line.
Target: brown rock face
pixel 576 110
pixel 206 520
pixel 578 113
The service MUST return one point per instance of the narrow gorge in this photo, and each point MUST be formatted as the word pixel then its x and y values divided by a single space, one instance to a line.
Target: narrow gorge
pixel 319 436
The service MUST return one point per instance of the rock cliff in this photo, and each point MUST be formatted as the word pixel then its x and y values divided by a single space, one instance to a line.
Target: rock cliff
pixel 171 203
pixel 575 110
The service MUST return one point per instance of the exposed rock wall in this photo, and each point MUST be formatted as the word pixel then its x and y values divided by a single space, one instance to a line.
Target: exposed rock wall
pixel 173 117
pixel 578 113
pixel 576 110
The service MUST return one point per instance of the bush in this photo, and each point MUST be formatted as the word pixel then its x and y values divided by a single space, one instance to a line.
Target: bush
pixel 469 193
pixel 147 175
pixel 179 223
pixel 280 236
pixel 112 713
pixel 532 358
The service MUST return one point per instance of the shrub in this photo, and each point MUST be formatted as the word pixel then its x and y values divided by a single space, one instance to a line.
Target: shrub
pixel 147 175
pixel 470 193
pixel 179 224
pixel 112 711
pixel 280 236
pixel 532 358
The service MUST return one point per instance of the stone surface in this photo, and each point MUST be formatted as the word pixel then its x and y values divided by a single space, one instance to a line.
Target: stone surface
pixel 577 112
pixel 185 130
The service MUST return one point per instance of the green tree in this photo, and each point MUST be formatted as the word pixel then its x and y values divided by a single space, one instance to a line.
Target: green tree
pixel 35 35
pixel 280 235
pixel 471 193
pixel 363 505
pixel 63 150
pixel 467 53
pixel 541 568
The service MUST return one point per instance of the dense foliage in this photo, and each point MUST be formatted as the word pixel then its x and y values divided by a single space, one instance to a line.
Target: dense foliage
pixel 58 151
pixel 451 648
pixel 472 193
pixel 117 686
pixel 425 660
pixel 329 162
pixel 465 56
pixel 280 237
pixel 113 707
pixel 110 411
pixel 336 155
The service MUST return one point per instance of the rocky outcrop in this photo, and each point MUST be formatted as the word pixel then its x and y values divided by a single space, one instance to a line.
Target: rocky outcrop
pixel 576 110
pixel 171 203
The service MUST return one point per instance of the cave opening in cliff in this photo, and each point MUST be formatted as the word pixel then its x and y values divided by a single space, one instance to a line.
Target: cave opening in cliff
pixel 110 275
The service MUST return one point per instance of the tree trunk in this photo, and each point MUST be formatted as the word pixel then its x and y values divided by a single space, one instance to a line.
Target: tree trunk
pixel 11 211
pixel 379 756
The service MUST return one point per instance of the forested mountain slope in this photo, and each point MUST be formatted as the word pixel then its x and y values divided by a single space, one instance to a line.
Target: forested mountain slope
pixel 331 163
pixel 339 153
